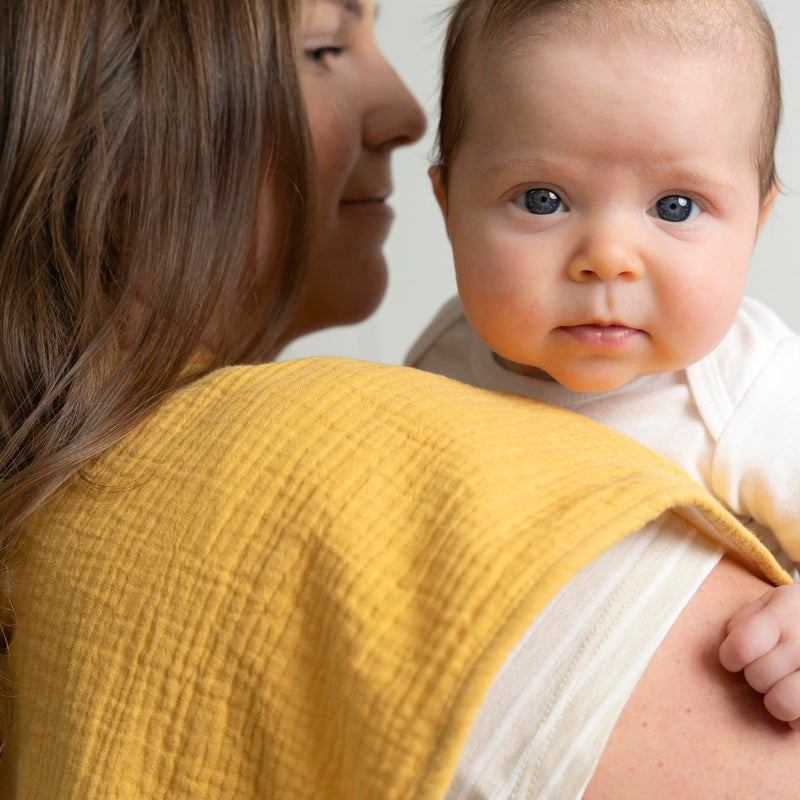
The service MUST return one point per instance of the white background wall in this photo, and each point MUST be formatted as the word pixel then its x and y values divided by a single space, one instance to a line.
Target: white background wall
pixel 421 274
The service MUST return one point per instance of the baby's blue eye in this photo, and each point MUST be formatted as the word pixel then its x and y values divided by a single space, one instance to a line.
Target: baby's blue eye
pixel 675 208
pixel 540 201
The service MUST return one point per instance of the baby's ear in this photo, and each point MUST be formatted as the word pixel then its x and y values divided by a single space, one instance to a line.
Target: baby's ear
pixel 766 206
pixel 435 174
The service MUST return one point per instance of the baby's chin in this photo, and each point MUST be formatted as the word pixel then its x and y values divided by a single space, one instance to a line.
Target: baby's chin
pixel 589 385
pixel 596 377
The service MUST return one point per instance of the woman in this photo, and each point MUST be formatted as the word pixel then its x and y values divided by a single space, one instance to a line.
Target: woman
pixel 281 581
pixel 358 113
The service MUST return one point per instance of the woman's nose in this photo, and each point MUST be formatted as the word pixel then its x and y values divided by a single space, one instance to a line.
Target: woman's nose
pixel 392 117
pixel 606 255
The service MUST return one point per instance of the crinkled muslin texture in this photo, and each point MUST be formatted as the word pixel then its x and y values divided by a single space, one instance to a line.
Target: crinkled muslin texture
pixel 298 581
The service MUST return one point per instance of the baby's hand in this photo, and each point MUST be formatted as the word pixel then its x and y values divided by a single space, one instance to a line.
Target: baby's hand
pixel 764 640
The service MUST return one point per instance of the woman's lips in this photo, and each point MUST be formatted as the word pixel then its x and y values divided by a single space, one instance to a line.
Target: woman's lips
pixel 373 206
pixel 602 336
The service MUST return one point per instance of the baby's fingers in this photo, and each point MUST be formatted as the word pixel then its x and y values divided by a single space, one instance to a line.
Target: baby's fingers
pixel 766 672
pixel 750 609
pixel 783 700
pixel 750 639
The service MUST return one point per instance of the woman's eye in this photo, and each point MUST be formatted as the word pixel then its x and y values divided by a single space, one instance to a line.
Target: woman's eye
pixel 675 208
pixel 320 55
pixel 540 201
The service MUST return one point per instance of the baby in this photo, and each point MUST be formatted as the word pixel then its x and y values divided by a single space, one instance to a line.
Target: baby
pixel 605 169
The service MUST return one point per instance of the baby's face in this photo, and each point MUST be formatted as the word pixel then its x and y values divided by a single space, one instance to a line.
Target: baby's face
pixel 604 205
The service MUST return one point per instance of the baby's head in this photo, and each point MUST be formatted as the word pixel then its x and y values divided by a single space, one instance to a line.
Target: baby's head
pixel 481 31
pixel 605 167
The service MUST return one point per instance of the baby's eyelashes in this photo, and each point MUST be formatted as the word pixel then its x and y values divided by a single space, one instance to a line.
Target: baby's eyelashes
pixel 540 201
pixel 675 208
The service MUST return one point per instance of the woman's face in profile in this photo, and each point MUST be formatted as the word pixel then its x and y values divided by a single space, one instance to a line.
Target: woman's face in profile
pixel 358 111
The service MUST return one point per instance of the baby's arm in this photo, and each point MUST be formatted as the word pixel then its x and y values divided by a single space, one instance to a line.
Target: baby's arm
pixel 763 639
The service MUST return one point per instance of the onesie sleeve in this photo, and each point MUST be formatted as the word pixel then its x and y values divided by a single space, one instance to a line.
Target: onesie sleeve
pixel 756 466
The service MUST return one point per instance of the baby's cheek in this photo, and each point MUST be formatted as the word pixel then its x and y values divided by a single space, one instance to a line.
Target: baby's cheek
pixel 692 321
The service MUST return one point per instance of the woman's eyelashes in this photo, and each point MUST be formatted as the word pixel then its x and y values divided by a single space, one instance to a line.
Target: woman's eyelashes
pixel 324 54
pixel 675 208
pixel 540 201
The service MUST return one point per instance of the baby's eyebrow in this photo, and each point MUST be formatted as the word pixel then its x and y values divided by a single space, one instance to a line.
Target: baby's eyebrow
pixel 675 177
pixel 692 177
pixel 518 164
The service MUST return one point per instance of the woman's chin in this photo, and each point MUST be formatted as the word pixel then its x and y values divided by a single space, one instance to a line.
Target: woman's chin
pixel 347 302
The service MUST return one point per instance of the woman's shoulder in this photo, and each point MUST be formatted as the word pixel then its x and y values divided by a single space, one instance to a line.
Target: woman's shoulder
pixel 691 729
pixel 335 516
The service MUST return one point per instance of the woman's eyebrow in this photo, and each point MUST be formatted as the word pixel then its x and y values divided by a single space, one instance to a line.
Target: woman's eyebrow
pixel 354 7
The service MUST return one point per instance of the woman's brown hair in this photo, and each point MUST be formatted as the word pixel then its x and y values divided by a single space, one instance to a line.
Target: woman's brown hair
pixel 135 136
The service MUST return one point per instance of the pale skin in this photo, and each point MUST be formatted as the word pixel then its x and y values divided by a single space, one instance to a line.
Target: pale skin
pixel 763 639
pixel 588 243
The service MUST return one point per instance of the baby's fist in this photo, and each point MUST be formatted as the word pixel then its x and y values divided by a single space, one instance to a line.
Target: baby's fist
pixel 764 640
